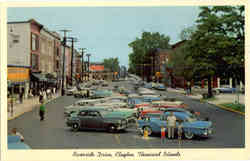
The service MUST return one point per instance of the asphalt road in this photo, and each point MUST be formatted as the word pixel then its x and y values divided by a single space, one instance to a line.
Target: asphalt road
pixel 229 129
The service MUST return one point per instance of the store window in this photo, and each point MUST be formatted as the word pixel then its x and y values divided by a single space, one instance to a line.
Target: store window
pixel 35 42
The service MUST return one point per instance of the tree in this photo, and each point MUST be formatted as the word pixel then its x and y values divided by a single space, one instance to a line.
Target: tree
pixel 112 64
pixel 141 46
pixel 217 45
pixel 182 66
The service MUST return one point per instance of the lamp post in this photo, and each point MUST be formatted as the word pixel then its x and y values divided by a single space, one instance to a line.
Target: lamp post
pixel 88 55
pixel 82 50
pixel 63 67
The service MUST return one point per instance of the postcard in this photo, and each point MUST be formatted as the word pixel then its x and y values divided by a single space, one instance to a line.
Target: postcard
pixel 124 80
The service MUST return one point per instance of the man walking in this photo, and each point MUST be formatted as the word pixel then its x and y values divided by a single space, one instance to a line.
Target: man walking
pixel 171 123
pixel 42 111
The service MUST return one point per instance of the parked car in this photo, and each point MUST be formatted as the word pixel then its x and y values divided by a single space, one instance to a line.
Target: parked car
pixel 191 125
pixel 14 142
pixel 97 120
pixel 225 89
pixel 101 94
pixel 168 104
pixel 160 87
pixel 151 98
pixel 70 91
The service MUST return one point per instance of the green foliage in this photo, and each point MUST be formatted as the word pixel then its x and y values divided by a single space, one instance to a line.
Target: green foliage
pixel 112 64
pixel 217 45
pixel 182 65
pixel 148 42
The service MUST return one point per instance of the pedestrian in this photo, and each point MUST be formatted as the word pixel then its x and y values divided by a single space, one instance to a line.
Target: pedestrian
pixel 180 126
pixel 163 135
pixel 171 123
pixel 21 97
pixel 42 111
pixel 14 132
pixel 11 105
pixel 40 97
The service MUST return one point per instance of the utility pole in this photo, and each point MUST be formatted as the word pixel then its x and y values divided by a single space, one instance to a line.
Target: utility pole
pixel 72 39
pixel 64 44
pixel 88 55
pixel 82 50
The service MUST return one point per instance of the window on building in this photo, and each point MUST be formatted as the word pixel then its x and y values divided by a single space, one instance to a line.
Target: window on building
pixel 34 42
pixel 34 61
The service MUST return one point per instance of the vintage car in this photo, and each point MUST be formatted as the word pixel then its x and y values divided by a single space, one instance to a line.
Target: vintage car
pixel 150 113
pixel 191 126
pixel 101 93
pixel 160 87
pixel 92 118
pixel 70 91
pixel 224 89
pixel 168 104
pixel 14 142
pixel 105 84
pixel 151 98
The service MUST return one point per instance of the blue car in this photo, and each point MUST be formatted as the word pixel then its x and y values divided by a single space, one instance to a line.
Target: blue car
pixel 14 142
pixel 191 125
pixel 150 99
pixel 160 87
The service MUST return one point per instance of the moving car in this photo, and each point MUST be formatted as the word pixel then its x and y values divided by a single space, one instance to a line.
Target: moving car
pixel 97 120
pixel 191 125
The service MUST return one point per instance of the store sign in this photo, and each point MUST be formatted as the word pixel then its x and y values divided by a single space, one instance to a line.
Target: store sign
pixel 18 74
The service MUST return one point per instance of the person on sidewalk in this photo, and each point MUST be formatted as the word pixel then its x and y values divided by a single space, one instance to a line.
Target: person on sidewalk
pixel 21 96
pixel 42 111
pixel 163 135
pixel 180 126
pixel 171 124
pixel 14 132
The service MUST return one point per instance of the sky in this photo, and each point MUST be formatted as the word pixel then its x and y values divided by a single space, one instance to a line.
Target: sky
pixel 107 31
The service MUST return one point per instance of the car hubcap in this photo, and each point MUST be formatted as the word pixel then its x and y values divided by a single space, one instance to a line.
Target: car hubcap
pixel 189 135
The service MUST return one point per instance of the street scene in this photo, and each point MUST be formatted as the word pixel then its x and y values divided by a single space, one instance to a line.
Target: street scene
pixel 126 83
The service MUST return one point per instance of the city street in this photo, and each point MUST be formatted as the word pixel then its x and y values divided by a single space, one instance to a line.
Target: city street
pixel 228 128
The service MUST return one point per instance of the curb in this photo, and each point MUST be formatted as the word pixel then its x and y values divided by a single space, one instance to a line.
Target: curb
pixel 229 109
pixel 14 117
pixel 223 107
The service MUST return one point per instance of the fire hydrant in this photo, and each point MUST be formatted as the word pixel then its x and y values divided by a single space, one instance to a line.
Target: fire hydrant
pixel 145 134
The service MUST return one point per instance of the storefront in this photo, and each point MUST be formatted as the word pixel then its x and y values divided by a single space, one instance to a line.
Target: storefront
pixel 18 81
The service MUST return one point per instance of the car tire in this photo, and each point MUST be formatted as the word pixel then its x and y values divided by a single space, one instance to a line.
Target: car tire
pixel 75 127
pixel 148 129
pixel 188 135
pixel 111 128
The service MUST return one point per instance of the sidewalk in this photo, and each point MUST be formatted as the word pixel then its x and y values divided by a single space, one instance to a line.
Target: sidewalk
pixel 219 99
pixel 27 105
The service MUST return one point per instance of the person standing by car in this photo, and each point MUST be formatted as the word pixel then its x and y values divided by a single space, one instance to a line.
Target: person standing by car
pixel 163 136
pixel 171 124
pixel 42 111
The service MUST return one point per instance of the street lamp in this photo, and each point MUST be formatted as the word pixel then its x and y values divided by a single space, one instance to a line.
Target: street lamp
pixel 63 67
pixel 88 55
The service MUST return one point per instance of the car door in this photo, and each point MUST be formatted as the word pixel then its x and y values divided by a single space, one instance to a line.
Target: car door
pixel 94 120
pixel 83 116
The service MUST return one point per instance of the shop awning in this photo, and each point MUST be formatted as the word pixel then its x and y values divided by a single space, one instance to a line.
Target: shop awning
pixel 39 77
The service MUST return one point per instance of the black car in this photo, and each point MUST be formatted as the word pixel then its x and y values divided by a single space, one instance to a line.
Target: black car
pixel 97 120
